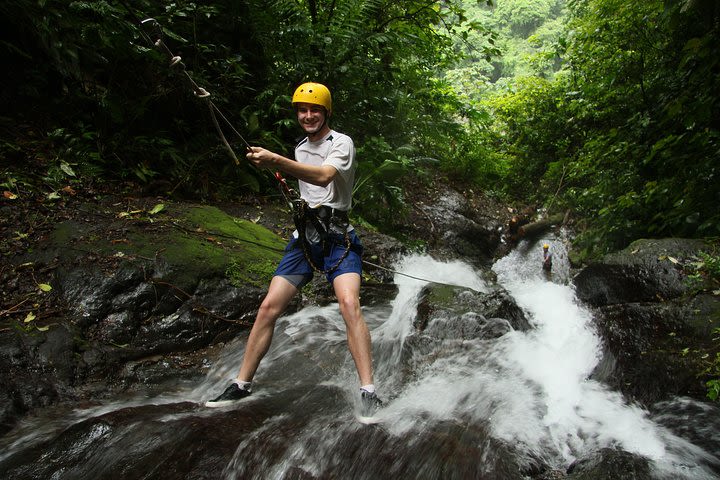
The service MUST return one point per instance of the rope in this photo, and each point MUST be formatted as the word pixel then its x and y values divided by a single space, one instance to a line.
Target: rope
pixel 176 62
pixel 200 92
pixel 427 280
pixel 289 194
pixel 222 136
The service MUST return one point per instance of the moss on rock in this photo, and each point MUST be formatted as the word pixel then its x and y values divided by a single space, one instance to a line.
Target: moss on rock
pixel 188 242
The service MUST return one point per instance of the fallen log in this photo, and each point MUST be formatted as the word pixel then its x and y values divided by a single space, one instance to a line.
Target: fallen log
pixel 536 228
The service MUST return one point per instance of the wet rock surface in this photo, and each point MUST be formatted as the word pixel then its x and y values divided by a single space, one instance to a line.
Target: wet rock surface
pixel 645 271
pixel 455 223
pixel 180 440
pixel 443 311
pixel 610 463
pixel 119 321
pixel 656 326
pixel 120 297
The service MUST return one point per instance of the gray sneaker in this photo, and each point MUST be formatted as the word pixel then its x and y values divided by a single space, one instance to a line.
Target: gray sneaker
pixel 370 403
pixel 233 393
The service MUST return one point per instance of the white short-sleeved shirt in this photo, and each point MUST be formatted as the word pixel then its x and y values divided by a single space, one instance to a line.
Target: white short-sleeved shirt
pixel 335 149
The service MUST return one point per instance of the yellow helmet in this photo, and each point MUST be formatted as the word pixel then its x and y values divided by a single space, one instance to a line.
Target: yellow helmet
pixel 315 93
pixel 545 245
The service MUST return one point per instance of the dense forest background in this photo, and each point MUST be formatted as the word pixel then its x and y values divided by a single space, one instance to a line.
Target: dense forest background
pixel 608 108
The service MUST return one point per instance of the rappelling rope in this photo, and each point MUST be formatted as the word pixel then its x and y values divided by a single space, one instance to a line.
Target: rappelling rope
pixel 151 31
pixel 300 208
pixel 177 63
pixel 298 205
pixel 426 280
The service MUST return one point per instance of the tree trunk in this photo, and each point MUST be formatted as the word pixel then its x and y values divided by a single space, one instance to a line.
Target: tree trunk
pixel 536 228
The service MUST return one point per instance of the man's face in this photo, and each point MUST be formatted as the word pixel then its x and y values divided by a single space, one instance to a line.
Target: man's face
pixel 311 117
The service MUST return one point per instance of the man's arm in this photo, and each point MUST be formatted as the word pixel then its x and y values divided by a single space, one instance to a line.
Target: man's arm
pixel 321 175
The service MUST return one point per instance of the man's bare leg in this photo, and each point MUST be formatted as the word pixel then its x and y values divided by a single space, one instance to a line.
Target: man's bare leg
pixel 276 301
pixel 347 291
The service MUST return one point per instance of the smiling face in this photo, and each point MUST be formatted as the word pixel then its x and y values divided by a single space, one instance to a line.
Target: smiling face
pixel 313 119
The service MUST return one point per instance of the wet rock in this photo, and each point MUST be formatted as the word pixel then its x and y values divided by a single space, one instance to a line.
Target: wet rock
pixel 655 327
pixel 610 464
pixel 464 232
pixel 263 439
pixel 646 271
pixel 57 354
pixel 468 314
pixel 550 475
pixel 92 292
pixel 379 253
pixel 162 373
pixel 377 293
pixel 37 369
pixel 645 354
pixel 693 421
pixel 260 440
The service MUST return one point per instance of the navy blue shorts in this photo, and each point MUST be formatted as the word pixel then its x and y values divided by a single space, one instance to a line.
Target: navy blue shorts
pixel 295 268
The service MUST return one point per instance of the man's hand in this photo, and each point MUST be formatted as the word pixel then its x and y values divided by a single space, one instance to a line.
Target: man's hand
pixel 262 158
pixel 317 175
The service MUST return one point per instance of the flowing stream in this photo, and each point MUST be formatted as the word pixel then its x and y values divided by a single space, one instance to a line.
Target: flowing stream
pixel 495 408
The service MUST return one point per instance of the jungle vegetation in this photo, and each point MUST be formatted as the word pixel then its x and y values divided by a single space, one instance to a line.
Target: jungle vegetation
pixel 608 108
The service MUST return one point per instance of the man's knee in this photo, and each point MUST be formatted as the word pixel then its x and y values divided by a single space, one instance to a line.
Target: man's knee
pixel 269 311
pixel 349 306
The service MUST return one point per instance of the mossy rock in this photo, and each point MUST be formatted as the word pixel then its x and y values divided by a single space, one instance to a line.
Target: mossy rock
pixel 186 242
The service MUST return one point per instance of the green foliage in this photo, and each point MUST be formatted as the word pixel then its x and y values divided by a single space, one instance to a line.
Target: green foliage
pixel 508 100
pixel 649 159
pixel 704 273
pixel 258 274
pixel 524 16
pixel 125 115
pixel 713 371
pixel 530 127
pixel 516 38
pixel 623 134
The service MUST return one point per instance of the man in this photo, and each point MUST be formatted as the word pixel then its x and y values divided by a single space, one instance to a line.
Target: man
pixel 547 258
pixel 324 241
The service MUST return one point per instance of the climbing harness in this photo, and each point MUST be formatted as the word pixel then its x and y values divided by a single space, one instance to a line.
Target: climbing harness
pixel 322 219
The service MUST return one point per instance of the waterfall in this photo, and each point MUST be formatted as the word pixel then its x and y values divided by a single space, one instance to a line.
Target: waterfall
pixel 571 414
pixel 528 389
pixel 455 407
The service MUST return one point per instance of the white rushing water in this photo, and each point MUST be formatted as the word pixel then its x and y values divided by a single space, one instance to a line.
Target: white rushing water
pixel 531 387
pixel 530 390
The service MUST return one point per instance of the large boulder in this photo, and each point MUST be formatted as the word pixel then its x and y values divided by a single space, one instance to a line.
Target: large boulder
pixel 130 291
pixel 645 271
pixel 454 224
pixel 446 311
pixel 655 324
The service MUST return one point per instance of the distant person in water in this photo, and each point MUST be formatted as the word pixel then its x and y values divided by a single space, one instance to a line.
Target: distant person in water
pixel 325 168
pixel 547 258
